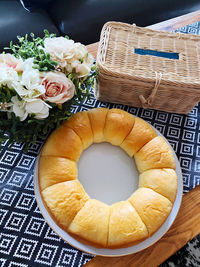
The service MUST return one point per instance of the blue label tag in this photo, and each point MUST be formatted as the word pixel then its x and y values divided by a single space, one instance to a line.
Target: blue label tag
pixel 149 52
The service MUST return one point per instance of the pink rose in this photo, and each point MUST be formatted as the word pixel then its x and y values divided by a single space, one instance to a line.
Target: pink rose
pixel 59 88
pixel 11 61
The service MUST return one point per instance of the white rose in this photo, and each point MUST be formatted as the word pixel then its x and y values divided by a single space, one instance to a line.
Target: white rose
pixel 8 76
pixel 27 64
pixel 82 69
pixel 31 79
pixel 18 107
pixel 23 108
pixel 80 51
pixel 60 49
pixel 82 61
pixel 58 88
pixel 30 84
pixel 66 52
pixel 11 61
pixel 37 107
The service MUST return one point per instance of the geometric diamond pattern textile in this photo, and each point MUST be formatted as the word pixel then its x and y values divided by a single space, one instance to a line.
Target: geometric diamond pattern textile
pixel 27 240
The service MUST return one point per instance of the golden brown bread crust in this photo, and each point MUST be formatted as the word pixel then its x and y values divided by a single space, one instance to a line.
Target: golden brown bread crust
pixel 140 134
pixel 80 123
pixel 152 207
pixel 156 154
pixel 63 142
pixel 118 125
pixel 91 222
pixel 64 200
pixel 97 118
pixel 125 225
pixel 53 170
pixel 162 181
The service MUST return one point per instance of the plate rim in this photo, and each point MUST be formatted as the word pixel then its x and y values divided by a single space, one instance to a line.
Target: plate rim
pixel 107 252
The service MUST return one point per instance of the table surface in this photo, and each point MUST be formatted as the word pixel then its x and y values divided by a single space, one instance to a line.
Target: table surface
pixel 26 239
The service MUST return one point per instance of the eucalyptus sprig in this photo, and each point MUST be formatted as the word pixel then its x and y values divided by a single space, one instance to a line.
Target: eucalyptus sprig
pixel 33 49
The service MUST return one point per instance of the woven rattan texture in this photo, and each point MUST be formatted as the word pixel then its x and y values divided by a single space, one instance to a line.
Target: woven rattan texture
pixel 124 76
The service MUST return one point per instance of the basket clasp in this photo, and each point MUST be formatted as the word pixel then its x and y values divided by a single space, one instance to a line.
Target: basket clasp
pixel 147 102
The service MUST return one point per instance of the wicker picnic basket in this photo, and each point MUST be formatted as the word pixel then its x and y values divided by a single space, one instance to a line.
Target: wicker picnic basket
pixel 148 80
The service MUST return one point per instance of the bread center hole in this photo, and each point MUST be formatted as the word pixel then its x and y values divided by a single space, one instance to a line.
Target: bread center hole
pixel 107 173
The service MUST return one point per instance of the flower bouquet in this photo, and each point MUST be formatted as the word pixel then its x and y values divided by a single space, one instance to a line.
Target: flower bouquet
pixel 40 80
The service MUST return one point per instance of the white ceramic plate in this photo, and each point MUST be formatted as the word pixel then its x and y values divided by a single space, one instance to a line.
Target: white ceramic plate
pixel 108 174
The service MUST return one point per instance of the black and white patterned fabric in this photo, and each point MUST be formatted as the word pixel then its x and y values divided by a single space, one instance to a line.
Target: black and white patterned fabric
pixel 25 237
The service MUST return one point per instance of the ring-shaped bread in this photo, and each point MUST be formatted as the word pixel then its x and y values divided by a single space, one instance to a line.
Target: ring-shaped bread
pixel 92 221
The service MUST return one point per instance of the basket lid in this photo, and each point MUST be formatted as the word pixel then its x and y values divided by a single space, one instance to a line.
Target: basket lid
pixel 129 51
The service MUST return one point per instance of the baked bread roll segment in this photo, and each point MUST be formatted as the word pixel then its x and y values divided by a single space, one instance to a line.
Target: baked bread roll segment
pixel 91 223
pixel 54 170
pixel 156 154
pixel 162 181
pixel 140 134
pixel 152 208
pixel 80 123
pixel 64 200
pixel 63 142
pixel 97 118
pixel 118 125
pixel 125 225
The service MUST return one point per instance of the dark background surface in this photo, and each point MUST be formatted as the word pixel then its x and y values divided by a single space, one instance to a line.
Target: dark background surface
pixel 82 20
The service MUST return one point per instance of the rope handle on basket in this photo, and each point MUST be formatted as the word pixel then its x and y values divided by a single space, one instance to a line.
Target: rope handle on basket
pixel 148 102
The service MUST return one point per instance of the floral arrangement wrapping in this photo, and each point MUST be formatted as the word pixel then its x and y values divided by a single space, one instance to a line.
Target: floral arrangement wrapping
pixel 40 80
